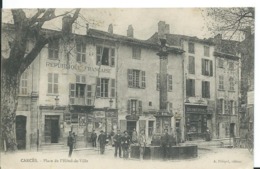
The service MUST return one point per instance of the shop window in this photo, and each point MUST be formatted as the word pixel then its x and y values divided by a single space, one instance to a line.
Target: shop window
pixel 136 53
pixel 191 47
pixel 81 52
pixel 53 49
pixel 105 56
pixel 207 67
pixel 134 106
pixel 136 78
pixel 190 87
pixel 53 86
pixel 74 118
pixel 205 89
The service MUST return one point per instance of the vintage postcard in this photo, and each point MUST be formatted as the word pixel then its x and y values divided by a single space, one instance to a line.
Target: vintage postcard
pixel 127 88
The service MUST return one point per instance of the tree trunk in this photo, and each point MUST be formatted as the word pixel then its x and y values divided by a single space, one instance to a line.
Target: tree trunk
pixel 9 100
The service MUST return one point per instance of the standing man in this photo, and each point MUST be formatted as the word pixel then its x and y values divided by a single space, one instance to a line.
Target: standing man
pixel 165 138
pixel 117 142
pixel 93 138
pixel 134 136
pixel 142 143
pixel 102 141
pixel 70 143
pixel 125 144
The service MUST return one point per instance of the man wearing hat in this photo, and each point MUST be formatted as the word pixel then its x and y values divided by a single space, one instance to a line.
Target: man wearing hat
pixel 142 143
pixel 125 144
pixel 93 138
pixel 165 139
pixel 117 143
pixel 102 141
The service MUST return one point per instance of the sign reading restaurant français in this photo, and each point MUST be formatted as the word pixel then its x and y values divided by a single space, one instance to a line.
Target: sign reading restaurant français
pixel 76 67
pixel 196 109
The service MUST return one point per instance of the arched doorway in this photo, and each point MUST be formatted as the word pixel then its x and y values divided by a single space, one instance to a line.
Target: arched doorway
pixel 21 132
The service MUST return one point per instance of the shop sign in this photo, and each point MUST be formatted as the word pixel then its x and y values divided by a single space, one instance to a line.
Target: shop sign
pixel 111 114
pixel 99 114
pixel 132 117
pixel 193 109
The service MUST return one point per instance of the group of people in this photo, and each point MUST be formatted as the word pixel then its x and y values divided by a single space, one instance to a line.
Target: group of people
pixel 121 142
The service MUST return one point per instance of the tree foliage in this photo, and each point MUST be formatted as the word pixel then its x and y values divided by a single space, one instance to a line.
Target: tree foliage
pixel 229 21
pixel 15 62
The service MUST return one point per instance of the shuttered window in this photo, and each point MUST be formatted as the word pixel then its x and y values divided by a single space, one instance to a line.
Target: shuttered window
pixel 190 87
pixel 105 56
pixel 136 78
pixel 169 82
pixel 221 82
pixel 206 67
pixel 113 88
pixel 205 89
pixel 53 49
pixel 191 65
pixel 53 86
pixel 191 47
pixel 81 52
pixel 136 53
pixel 206 51
pixel 134 106
pixel 104 86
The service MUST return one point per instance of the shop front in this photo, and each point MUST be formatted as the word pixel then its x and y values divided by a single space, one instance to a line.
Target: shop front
pixel 196 121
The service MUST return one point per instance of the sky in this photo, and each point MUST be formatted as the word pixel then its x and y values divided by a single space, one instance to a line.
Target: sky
pixel 185 21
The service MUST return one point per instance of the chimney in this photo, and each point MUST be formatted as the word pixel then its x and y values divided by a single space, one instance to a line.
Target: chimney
pixel 161 30
pixel 217 40
pixel 110 29
pixel 87 28
pixel 247 32
pixel 130 31
pixel 67 24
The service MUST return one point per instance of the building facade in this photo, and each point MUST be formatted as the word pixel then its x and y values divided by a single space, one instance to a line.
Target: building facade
pixel 227 87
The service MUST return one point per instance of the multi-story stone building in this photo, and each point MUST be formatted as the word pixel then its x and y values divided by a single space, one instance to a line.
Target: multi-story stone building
pixel 99 81
pixel 227 87
pixel 199 82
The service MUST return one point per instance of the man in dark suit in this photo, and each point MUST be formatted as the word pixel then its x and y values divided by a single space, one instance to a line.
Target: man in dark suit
pixel 165 139
pixel 70 142
pixel 102 141
pixel 117 142
pixel 94 138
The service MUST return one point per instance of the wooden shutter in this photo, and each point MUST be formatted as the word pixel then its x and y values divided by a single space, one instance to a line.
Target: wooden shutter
pixel 226 106
pixel 203 68
pixel 170 106
pixel 191 65
pixel 219 106
pixel 143 85
pixel 72 93
pixel 88 95
pixel 130 77
pixel 169 79
pixel 157 81
pixel 203 89
pixel 140 107
pixel 188 87
pixel 211 68
pixel 113 87
pixel 128 106
pixel 235 107
pixel 78 79
pixel 98 90
pixel 208 89
pixel 193 87
pixel 112 57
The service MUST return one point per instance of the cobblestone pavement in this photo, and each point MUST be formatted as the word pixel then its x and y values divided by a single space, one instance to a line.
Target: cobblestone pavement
pixel 219 158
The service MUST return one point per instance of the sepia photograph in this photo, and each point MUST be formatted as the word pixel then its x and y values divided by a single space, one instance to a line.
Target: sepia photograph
pixel 127 88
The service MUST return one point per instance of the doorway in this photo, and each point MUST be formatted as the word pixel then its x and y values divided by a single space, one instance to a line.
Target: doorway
pixel 150 128
pixel 232 129
pixel 130 126
pixel 52 130
pixel 21 132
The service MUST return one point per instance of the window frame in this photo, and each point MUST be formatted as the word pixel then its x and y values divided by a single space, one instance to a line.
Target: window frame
pixel 191 47
pixel 136 53
pixel 221 82
pixel 52 83
pixel 53 50
pixel 81 52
